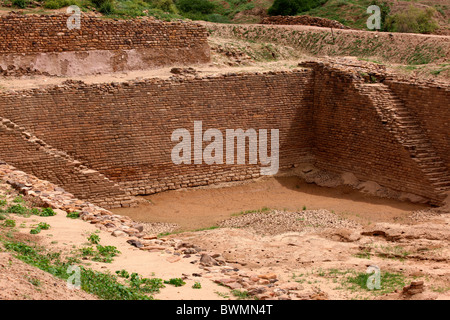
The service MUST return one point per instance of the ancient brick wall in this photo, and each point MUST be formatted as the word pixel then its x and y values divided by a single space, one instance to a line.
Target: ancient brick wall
pixel 43 43
pixel 49 33
pixel 324 115
pixel 430 102
pixel 124 130
pixel 350 135
pixel 37 157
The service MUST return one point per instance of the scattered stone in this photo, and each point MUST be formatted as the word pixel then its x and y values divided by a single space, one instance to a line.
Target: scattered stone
pixel 415 287
pixel 135 243
pixel 207 260
pixel 118 233
pixel 268 276
pixel 173 259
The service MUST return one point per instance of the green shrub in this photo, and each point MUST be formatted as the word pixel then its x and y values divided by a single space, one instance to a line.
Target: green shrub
pixel 293 7
pixel 18 199
pixel 414 20
pixel 35 211
pixel 108 251
pixel 107 7
pixel 102 254
pixel 196 6
pixel 218 18
pixel 177 282
pixel 20 3
pixel 385 9
pixel 164 5
pixel 43 226
pixel 47 212
pixel 73 215
pixel 56 4
pixel 17 208
pixel 94 238
pixel 10 223
pixel 35 230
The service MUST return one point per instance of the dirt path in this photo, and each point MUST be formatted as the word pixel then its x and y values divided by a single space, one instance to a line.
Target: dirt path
pixel 205 207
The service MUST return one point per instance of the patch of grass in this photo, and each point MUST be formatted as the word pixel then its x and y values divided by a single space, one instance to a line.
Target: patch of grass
pixel 101 253
pixel 197 285
pixel 222 294
pixel 35 211
pixel 393 252
pixel 104 285
pixel 94 238
pixel 19 199
pixel 10 223
pixel 442 68
pixel 424 54
pixel 208 228
pixel 364 254
pixel 35 231
pixel 17 209
pixel 389 282
pixel 43 226
pixel 177 282
pixel 47 212
pixel 440 289
pixel 73 215
pixel 262 210
pixel 163 234
pixel 240 294
pixel 35 282
pixel 145 284
pixel 123 273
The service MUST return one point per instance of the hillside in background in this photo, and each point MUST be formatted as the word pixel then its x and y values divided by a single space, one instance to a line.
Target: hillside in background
pixel 420 16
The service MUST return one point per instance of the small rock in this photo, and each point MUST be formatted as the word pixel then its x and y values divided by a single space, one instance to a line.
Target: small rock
pixel 173 259
pixel 268 276
pixel 118 233
pixel 207 260
pixel 135 243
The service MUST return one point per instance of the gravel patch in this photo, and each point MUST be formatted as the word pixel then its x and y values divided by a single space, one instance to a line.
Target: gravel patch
pixel 155 228
pixel 278 222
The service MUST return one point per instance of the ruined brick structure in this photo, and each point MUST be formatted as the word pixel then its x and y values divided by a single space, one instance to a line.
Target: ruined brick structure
pixel 107 142
pixel 122 132
pixel 45 44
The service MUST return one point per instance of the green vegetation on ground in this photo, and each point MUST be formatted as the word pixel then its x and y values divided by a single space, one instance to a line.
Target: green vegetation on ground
pixel 352 13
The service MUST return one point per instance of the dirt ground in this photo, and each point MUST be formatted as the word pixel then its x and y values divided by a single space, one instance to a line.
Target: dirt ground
pixel 205 207
pixel 313 247
pixel 20 281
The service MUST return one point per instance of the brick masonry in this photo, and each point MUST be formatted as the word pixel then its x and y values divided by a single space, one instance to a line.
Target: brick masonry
pixel 124 130
pixel 325 115
pixel 45 44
